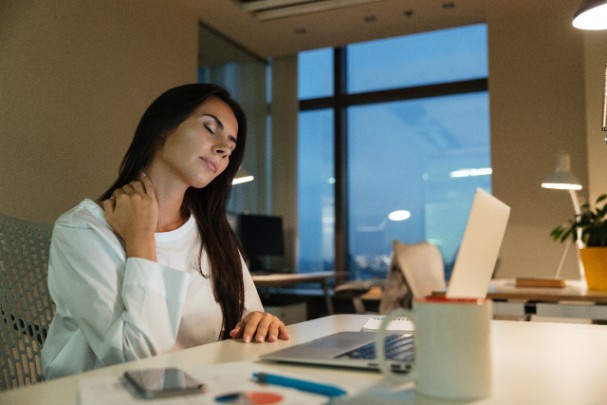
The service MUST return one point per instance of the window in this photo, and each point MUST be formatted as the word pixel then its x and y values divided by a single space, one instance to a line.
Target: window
pixel 316 74
pixel 416 124
pixel 428 58
pixel 316 200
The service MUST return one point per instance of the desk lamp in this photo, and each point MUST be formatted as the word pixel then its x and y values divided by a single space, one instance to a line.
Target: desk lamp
pixel 242 176
pixel 562 179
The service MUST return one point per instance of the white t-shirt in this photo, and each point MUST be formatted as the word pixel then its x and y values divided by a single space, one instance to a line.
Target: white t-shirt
pixel 110 309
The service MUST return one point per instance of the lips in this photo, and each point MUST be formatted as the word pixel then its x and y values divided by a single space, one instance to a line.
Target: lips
pixel 210 164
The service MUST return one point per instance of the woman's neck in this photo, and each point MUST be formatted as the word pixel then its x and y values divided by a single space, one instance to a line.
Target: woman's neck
pixel 167 223
pixel 169 196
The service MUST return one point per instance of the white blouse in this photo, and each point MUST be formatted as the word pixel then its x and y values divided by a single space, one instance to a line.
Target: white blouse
pixel 110 309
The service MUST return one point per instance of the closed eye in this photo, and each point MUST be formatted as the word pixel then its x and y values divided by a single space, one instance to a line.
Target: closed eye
pixel 208 128
pixel 215 127
pixel 212 123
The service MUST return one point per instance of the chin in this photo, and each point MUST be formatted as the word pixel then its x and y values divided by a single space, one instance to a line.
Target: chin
pixel 198 185
pixel 202 182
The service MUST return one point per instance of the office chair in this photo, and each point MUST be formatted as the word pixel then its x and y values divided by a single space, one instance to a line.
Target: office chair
pixel 354 290
pixel 26 308
pixel 416 270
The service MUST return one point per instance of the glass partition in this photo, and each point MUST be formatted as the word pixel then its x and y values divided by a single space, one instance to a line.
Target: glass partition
pixel 245 76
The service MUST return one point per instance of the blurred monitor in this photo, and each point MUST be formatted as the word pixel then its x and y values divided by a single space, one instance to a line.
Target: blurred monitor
pixel 260 236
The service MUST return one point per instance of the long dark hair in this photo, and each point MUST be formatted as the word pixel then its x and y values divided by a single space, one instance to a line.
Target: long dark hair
pixel 208 204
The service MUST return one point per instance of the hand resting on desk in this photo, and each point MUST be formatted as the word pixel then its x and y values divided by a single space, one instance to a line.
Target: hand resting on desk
pixel 263 325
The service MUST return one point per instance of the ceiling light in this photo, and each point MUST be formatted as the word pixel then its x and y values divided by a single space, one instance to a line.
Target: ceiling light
pixel 242 176
pixel 399 215
pixel 471 172
pixel 592 15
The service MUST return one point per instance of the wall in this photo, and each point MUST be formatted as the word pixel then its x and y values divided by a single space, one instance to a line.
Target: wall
pixel 75 77
pixel 595 57
pixel 537 101
pixel 284 150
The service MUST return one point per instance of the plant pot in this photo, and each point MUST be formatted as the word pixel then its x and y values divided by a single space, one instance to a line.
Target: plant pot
pixel 594 260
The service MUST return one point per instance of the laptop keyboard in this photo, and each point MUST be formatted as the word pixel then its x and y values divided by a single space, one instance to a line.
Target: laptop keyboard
pixel 398 348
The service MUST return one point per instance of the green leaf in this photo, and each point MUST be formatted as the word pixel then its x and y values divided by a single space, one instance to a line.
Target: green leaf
pixel 591 224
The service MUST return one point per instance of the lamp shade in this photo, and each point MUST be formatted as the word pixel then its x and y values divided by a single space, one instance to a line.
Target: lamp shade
pixel 242 176
pixel 562 178
pixel 592 15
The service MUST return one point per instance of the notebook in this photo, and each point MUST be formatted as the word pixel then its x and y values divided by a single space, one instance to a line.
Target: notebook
pixel 472 271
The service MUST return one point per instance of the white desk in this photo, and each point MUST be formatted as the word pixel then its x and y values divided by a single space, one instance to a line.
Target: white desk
pixel 534 363
pixel 574 300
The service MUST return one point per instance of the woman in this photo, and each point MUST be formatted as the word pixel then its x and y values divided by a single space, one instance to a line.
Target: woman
pixel 153 266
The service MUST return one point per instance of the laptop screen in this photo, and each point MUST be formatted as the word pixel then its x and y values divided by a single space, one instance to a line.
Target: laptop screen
pixel 480 247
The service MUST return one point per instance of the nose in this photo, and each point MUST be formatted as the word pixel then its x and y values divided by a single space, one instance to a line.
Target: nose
pixel 222 147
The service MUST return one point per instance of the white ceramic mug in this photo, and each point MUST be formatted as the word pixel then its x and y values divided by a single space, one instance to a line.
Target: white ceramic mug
pixel 452 347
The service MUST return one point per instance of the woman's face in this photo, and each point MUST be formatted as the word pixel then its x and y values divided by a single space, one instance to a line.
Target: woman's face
pixel 199 149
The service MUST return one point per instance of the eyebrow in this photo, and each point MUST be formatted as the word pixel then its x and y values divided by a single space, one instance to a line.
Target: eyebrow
pixel 217 120
pixel 219 124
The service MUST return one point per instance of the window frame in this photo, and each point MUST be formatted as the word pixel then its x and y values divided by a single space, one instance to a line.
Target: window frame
pixel 339 102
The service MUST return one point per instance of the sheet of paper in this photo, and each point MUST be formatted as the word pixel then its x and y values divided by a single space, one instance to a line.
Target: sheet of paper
pixel 219 380
pixel 397 324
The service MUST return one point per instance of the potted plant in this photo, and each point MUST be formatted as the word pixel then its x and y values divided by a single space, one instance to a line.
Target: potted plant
pixel 590 228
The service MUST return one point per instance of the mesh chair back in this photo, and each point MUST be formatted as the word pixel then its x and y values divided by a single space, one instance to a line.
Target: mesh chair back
pixel 416 270
pixel 26 308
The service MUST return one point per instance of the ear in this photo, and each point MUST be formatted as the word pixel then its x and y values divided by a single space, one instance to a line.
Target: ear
pixel 161 140
pixel 158 146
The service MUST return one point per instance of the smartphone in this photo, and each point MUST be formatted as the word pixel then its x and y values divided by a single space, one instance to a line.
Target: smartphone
pixel 163 382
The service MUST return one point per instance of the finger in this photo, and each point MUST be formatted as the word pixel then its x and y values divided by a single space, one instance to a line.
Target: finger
pixel 108 205
pixel 138 187
pixel 273 330
pixel 237 331
pixel 123 199
pixel 122 191
pixel 277 330
pixel 283 334
pixel 147 185
pixel 120 195
pixel 250 325
pixel 264 326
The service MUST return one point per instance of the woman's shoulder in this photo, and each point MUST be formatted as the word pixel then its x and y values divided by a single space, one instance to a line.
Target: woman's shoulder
pixel 84 215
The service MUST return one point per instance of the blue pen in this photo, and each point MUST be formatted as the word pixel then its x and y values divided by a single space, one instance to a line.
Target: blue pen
pixel 302 385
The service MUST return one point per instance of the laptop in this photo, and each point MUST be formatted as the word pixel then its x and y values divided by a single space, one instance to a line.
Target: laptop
pixel 480 247
pixel 470 279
